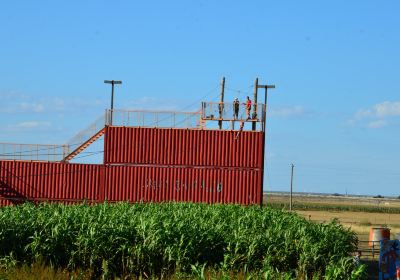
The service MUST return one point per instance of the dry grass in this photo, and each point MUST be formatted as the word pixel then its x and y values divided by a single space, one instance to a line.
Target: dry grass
pixel 360 222
pixel 38 271
pixel 336 200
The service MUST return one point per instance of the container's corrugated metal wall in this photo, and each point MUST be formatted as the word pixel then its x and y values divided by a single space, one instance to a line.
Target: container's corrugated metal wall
pixel 20 180
pixel 42 181
pixel 149 183
pixel 184 147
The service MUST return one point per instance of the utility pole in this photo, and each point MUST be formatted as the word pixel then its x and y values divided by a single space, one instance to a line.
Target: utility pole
pixel 264 129
pixel 253 125
pixel 291 189
pixel 221 103
pixel 112 82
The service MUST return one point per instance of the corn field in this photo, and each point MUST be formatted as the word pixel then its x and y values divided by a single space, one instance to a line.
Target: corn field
pixel 164 240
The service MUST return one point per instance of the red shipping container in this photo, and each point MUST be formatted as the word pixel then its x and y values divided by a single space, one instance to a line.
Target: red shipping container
pixel 37 181
pixel 49 181
pixel 183 147
pixel 208 185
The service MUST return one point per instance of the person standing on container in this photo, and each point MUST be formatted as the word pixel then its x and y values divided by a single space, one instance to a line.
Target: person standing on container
pixel 248 107
pixel 236 108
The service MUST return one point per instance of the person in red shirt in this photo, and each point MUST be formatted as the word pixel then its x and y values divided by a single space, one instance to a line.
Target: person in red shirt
pixel 248 107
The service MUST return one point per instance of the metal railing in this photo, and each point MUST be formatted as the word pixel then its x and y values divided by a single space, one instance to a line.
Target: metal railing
pixel 229 111
pixel 35 152
pixel 140 118
pixel 39 152
pixel 234 112
pixel 163 119
pixel 87 133
pixel 369 249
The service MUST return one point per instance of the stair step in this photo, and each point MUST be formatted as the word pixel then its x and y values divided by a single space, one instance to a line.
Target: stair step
pixel 85 145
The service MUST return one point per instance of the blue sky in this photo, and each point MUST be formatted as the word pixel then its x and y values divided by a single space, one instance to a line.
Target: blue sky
pixel 335 112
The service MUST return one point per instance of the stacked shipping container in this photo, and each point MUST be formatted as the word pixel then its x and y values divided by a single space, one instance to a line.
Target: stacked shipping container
pixel 37 181
pixel 50 181
pixel 230 159
pixel 147 164
pixel 189 147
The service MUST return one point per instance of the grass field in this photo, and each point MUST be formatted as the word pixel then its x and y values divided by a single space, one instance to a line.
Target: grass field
pixel 360 222
pixel 358 213
pixel 342 200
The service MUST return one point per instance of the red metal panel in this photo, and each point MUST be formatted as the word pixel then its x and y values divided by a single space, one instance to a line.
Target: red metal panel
pixel 21 180
pixel 183 184
pixel 185 147
pixel 38 181
pixel 152 188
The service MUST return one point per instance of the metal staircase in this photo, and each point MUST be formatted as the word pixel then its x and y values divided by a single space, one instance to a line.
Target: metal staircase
pixel 86 137
pixel 84 145
pixel 82 140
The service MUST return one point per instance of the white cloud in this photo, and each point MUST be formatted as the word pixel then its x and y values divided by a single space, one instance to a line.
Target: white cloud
pixel 28 125
pixel 11 95
pixel 387 108
pixel 380 110
pixel 362 114
pixel 59 104
pixel 287 112
pixel 31 107
pixel 378 115
pixel 156 104
pixel 14 103
pixel 377 124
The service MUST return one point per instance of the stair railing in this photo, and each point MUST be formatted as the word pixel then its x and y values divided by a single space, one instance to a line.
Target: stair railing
pixel 87 133
pixel 34 152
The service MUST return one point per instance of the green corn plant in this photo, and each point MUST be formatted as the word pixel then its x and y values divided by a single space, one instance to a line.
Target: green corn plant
pixel 159 240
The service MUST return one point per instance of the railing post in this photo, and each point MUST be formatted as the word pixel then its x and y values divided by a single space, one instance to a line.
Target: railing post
pixel 253 125
pixel 65 151
pixel 373 251
pixel 156 119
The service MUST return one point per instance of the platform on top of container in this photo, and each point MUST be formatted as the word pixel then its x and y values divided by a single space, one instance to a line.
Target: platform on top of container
pixel 211 116
pixel 226 113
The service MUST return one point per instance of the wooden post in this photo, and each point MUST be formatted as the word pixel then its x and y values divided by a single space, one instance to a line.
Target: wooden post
pixel 253 125
pixel 263 147
pixel 221 104
pixel 264 130
pixel 291 189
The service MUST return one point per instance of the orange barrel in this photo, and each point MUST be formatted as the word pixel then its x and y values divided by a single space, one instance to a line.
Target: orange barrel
pixel 397 273
pixel 378 234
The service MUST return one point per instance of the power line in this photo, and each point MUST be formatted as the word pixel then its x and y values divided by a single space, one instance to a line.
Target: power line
pixel 186 107
pixel 241 92
pixel 91 154
pixel 202 98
